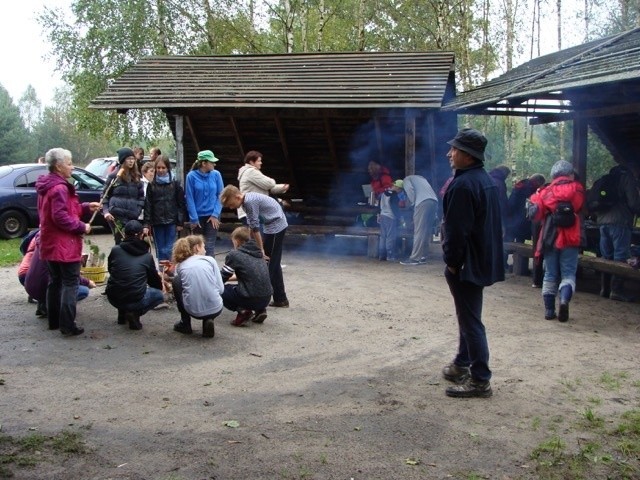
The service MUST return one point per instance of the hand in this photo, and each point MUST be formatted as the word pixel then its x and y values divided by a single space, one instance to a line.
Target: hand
pixel 452 270
pixel 215 223
pixel 93 206
pixel 87 228
pixel 92 284
pixel 178 228
pixel 264 255
pixel 108 217
pixel 194 225
pixel 145 231
pixel 285 188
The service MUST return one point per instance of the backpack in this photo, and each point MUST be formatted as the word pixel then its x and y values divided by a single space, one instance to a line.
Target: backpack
pixel 564 216
pixel 604 193
pixel 26 240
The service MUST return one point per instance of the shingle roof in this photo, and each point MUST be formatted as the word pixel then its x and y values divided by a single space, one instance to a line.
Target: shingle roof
pixel 609 60
pixel 321 80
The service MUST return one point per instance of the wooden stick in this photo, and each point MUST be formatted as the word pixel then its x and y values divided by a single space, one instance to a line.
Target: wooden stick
pixel 105 193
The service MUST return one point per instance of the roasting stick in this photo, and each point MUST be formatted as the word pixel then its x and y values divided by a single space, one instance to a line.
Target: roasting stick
pixel 104 195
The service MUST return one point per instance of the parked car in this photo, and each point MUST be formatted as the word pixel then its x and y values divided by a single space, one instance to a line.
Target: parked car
pixel 19 200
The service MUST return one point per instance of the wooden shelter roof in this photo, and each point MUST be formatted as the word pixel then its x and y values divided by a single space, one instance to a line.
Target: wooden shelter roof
pixel 321 80
pixel 317 118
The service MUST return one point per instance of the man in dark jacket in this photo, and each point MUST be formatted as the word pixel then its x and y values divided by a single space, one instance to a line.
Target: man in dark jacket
pixel 473 253
pixel 134 286
pixel 616 227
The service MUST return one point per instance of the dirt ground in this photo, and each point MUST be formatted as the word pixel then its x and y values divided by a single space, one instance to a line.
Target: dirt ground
pixel 345 384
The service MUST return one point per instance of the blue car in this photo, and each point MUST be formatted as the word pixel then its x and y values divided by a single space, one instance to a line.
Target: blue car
pixel 19 200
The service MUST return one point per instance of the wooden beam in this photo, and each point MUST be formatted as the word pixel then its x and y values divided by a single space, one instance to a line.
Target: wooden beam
pixel 192 132
pixel 236 135
pixel 409 144
pixel 580 129
pixel 610 111
pixel 180 148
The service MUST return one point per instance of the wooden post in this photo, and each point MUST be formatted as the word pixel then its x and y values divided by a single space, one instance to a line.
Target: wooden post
pixel 409 144
pixel 180 148
pixel 580 130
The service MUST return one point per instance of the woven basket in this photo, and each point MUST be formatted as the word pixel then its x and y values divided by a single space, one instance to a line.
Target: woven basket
pixel 97 274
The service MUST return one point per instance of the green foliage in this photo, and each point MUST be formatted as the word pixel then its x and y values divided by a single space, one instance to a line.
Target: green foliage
pixel 10 252
pixel 14 137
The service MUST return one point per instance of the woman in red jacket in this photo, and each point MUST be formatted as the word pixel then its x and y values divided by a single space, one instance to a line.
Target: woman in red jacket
pixel 558 206
pixel 61 234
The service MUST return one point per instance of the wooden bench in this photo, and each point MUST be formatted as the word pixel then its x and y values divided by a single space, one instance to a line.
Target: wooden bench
pixel 522 252
pixel 372 234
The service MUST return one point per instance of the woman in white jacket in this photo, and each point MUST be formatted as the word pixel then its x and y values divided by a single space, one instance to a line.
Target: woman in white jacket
pixel 251 179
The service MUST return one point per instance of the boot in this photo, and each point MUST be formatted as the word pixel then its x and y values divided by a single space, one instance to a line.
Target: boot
pixel 134 320
pixel 549 306
pixel 184 325
pixel 41 311
pixel 617 290
pixel 565 297
pixel 605 285
pixel 208 328
pixel 121 317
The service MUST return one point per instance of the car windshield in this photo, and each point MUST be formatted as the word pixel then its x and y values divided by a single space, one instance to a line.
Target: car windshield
pixel 82 181
pixel 101 167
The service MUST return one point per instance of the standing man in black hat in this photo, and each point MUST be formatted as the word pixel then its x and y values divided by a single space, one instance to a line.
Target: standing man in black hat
pixel 472 246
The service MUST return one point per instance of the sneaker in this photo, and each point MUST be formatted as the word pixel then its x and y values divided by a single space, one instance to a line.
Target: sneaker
pixel 409 261
pixel 563 312
pixel 182 328
pixel 455 373
pixel 392 259
pixel 469 389
pixel 260 316
pixel 73 332
pixel 422 261
pixel 242 318
pixel 283 304
pixel 208 328
pixel 41 311
pixel 620 297
pixel 162 306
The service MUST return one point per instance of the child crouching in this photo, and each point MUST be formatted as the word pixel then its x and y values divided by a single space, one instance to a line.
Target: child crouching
pixel 247 265
pixel 197 285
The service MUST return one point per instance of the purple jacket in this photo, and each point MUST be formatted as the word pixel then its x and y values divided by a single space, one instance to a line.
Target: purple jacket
pixel 60 226
pixel 37 279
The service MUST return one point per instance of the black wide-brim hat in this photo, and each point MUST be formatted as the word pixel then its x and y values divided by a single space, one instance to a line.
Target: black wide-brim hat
pixel 470 141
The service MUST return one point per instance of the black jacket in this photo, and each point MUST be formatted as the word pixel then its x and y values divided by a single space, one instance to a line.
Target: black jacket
pixel 131 268
pixel 164 204
pixel 250 268
pixel 472 227
pixel 124 200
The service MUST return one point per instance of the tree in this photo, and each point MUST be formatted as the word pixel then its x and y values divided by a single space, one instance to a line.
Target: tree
pixel 30 108
pixel 14 138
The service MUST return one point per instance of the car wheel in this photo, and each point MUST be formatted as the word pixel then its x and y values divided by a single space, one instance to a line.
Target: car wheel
pixel 13 224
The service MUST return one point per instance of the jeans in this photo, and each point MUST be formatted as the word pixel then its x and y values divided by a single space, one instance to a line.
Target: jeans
pixel 83 292
pixel 473 349
pixel 152 298
pixel 272 243
pixel 62 294
pixel 235 302
pixel 615 242
pixel 388 237
pixel 210 235
pixel 559 269
pixel 164 236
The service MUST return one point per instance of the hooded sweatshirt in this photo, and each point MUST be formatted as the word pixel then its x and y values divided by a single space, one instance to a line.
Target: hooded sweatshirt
pixel 60 210
pixel 202 192
pixel 131 268
pixel 250 269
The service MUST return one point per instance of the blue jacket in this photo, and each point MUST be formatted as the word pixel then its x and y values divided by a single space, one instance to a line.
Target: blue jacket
pixel 202 192
pixel 472 227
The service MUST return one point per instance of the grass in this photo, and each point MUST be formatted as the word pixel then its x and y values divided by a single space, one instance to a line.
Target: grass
pixel 10 252
pixel 28 451
pixel 602 451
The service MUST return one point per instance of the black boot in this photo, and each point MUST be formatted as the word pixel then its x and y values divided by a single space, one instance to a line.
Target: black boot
pixel 134 320
pixel 41 310
pixel 617 290
pixel 605 285
pixel 549 306
pixel 565 297
pixel 184 325
pixel 121 317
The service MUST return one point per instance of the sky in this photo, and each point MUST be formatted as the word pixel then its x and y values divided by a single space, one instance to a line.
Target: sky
pixel 23 47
